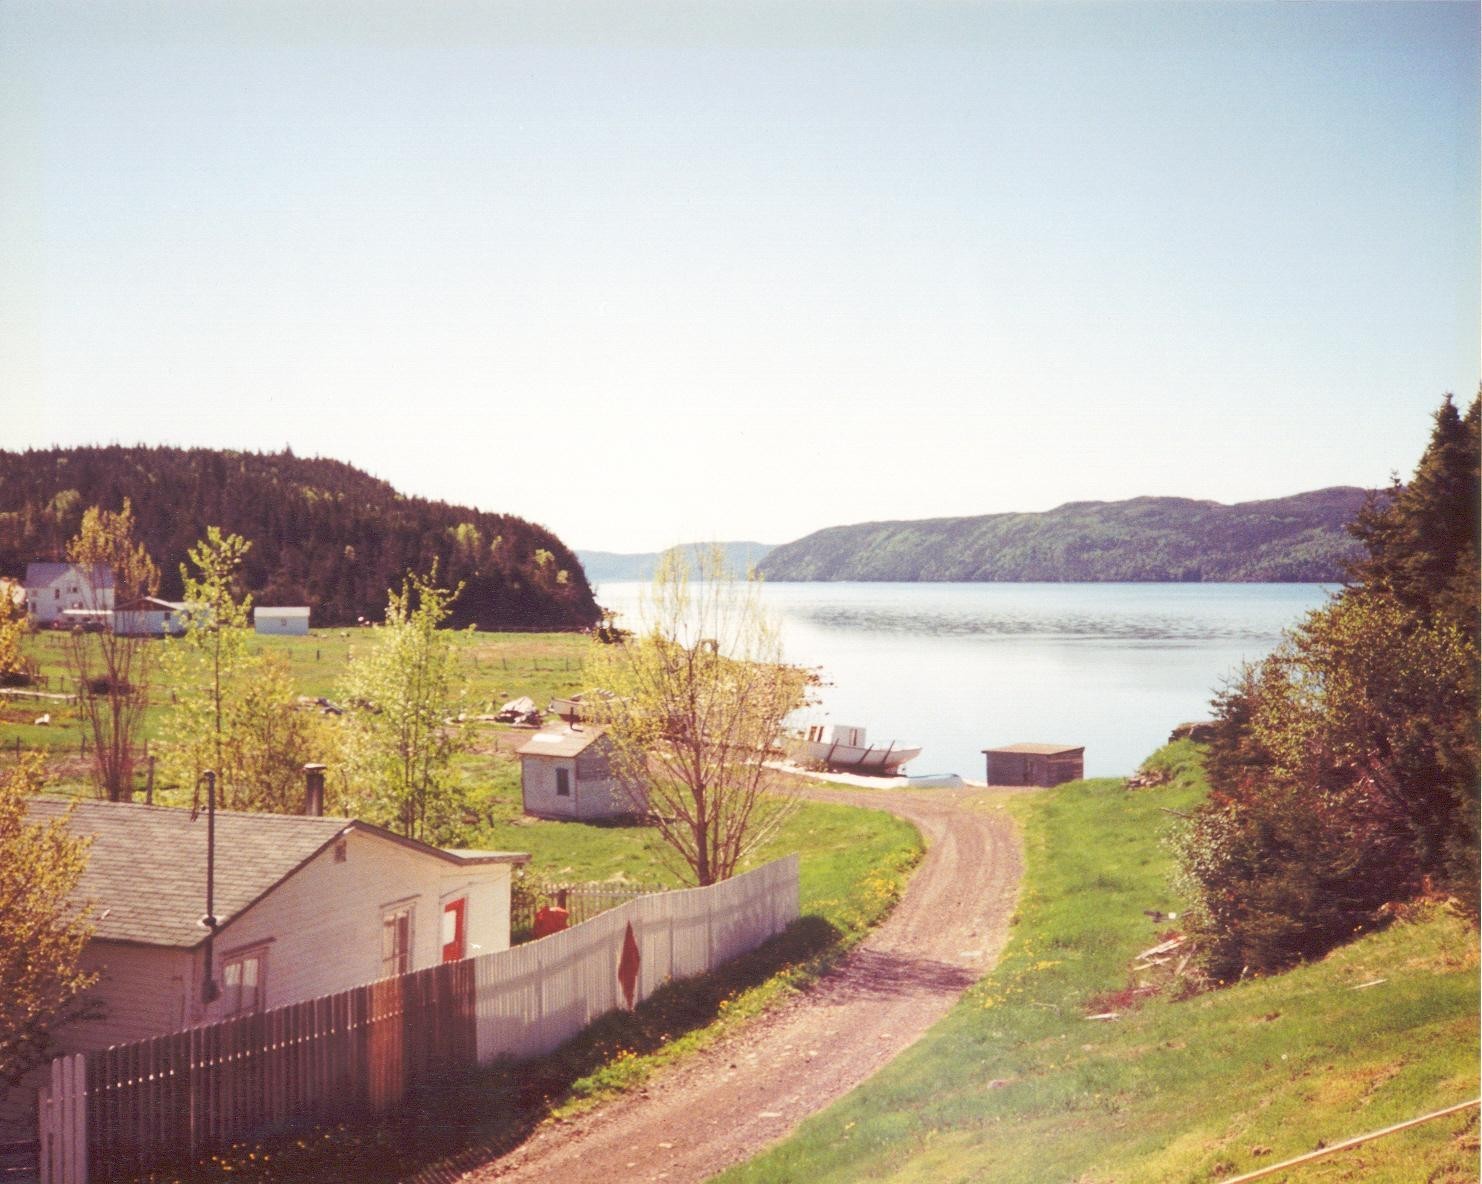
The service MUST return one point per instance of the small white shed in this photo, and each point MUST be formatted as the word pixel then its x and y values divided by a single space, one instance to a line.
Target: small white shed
pixel 569 774
pixel 293 621
pixel 149 616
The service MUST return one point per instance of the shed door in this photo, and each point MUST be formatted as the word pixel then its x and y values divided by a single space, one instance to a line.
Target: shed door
pixel 455 929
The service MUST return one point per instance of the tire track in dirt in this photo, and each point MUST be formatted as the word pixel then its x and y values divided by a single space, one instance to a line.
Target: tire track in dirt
pixel 747 1091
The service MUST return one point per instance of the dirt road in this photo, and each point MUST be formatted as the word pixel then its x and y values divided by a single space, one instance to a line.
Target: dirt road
pixel 730 1101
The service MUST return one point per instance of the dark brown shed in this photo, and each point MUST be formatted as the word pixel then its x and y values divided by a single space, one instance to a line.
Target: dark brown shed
pixel 1035 764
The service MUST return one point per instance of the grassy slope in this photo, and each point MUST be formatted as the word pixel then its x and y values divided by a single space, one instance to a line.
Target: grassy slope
pixel 1017 1085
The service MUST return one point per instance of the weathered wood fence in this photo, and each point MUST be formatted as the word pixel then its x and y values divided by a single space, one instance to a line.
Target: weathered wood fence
pixel 115 1114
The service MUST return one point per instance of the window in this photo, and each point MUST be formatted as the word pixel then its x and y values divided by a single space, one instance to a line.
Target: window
pixel 242 981
pixel 396 940
pixel 563 783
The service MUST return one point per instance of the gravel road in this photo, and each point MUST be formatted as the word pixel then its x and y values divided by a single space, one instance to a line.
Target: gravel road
pixel 730 1101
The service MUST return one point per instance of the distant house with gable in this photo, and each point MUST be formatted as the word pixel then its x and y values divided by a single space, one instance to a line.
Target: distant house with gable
pixel 55 589
pixel 293 621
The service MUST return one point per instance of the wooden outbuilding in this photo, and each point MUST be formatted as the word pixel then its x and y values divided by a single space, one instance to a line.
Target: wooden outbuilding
pixel 569 774
pixel 1035 764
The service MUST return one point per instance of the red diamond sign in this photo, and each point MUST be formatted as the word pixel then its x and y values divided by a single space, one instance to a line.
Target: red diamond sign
pixel 628 965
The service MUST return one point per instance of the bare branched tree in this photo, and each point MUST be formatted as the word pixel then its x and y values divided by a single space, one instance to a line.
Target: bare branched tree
pixel 111 670
pixel 698 699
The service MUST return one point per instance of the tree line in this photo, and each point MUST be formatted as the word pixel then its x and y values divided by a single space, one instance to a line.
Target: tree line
pixel 324 533
pixel 1344 766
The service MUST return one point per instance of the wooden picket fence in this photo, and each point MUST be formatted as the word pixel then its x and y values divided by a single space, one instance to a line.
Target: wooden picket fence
pixel 133 1108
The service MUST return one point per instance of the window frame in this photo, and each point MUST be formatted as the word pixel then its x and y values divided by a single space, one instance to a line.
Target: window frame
pixel 239 959
pixel 391 959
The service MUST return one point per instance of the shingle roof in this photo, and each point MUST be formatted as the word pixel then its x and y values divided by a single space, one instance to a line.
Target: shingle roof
pixel 1038 749
pixel 146 869
pixel 38 574
pixel 563 744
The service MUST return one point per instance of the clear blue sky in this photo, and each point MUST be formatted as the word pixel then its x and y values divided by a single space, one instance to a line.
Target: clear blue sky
pixel 655 272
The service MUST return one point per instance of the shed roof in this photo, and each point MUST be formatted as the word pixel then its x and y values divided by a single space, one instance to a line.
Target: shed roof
pixel 1037 749
pixel 296 610
pixel 565 743
pixel 146 871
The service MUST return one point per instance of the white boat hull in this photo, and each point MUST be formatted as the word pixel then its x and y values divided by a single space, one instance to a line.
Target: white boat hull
pixel 873 758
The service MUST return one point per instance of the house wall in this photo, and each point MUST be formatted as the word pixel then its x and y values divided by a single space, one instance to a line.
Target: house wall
pixel 148 623
pixel 141 992
pixel 47 601
pixel 538 786
pixel 296 625
pixel 321 928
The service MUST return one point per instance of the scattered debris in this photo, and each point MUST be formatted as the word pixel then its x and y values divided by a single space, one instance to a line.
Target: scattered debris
pixel 1374 983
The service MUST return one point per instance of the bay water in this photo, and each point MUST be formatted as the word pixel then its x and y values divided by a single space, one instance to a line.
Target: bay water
pixel 957 668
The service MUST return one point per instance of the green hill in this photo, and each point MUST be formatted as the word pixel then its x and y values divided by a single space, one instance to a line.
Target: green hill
pixel 323 533
pixel 1298 539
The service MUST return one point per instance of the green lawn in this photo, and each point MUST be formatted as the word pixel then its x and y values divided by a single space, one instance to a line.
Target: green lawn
pixel 497 667
pixel 1017 1084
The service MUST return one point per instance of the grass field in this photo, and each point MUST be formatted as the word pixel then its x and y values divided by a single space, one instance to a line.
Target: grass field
pixel 1019 1085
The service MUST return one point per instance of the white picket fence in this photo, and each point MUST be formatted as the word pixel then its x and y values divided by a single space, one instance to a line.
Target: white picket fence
pixel 126 1110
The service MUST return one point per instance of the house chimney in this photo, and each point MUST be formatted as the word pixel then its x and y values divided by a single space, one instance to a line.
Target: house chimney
pixel 314 790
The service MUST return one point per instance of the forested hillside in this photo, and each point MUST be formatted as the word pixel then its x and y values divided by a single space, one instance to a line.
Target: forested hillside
pixel 1299 539
pixel 323 533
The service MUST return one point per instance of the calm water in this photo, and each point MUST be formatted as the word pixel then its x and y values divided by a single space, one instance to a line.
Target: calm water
pixel 958 668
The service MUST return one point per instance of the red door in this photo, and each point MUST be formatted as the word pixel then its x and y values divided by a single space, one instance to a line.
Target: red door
pixel 454 929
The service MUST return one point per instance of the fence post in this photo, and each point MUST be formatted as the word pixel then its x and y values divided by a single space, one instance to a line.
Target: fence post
pixel 62 1118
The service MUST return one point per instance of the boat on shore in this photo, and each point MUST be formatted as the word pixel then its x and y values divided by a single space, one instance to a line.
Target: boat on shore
pixel 844 746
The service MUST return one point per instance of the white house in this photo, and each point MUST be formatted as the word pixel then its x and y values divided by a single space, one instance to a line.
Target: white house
pixel 149 616
pixel 569 774
pixel 306 906
pixel 292 621
pixel 54 588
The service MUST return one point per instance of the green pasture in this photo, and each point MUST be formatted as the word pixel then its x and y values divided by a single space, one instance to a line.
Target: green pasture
pixel 1019 1084
pixel 496 667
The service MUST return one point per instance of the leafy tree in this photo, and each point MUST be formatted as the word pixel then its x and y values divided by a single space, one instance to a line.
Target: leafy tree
pixel 1421 540
pixel 15 666
pixel 42 930
pixel 1344 767
pixel 403 695
pixel 696 704
pixel 111 670
pixel 208 661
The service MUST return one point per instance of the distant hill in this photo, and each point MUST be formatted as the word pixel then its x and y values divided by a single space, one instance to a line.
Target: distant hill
pixel 613 565
pixel 323 533
pixel 1298 539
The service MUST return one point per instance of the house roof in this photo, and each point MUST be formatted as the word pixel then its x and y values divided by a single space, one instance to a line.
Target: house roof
pixel 146 871
pixel 40 574
pixel 148 604
pixel 565 743
pixel 1037 749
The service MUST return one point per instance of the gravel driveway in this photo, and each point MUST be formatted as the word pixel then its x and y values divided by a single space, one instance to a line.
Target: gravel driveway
pixel 731 1100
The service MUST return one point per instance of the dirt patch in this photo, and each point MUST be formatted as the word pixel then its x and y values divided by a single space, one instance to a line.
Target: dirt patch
pixel 730 1101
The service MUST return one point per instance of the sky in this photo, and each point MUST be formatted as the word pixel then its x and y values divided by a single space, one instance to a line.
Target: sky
pixel 661 272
